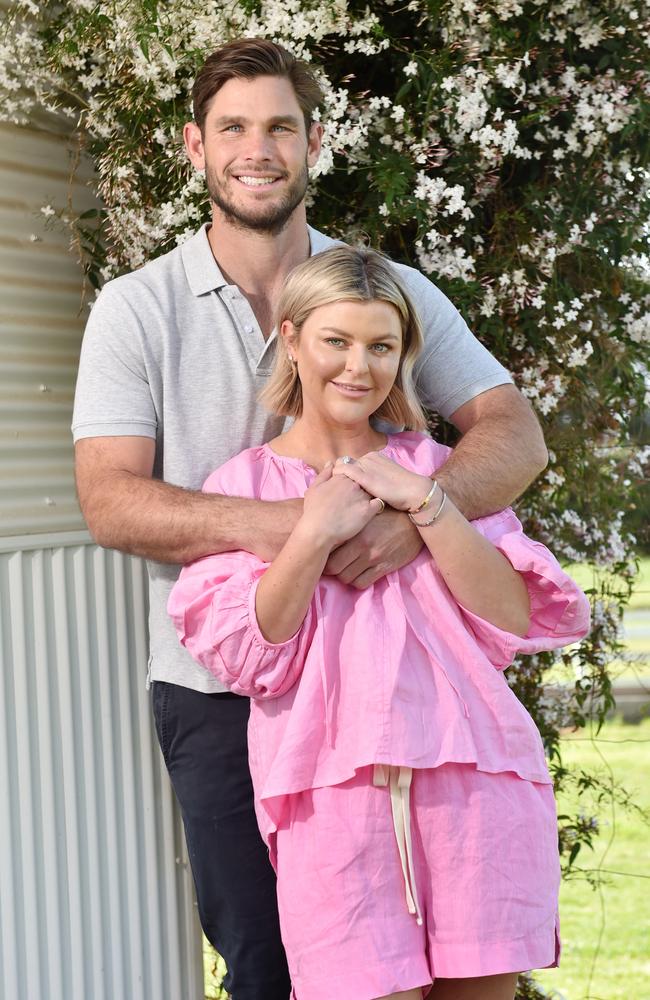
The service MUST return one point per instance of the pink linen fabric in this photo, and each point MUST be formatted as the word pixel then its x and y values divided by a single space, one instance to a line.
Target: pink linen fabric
pixel 396 674
pixel 487 874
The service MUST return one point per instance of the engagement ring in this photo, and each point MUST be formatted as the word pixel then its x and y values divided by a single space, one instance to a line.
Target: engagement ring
pixel 346 460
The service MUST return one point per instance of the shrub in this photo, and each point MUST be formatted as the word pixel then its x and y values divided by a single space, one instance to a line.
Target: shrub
pixel 502 148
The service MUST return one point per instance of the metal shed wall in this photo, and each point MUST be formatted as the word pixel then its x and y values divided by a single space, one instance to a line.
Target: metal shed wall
pixel 41 323
pixel 95 891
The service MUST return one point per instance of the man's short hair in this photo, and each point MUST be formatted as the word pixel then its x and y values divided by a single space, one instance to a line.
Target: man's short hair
pixel 246 59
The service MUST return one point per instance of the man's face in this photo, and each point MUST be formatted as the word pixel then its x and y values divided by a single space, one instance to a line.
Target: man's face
pixel 256 152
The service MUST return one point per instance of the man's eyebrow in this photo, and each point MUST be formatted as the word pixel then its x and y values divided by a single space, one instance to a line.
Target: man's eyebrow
pixel 243 120
pixel 286 120
pixel 228 120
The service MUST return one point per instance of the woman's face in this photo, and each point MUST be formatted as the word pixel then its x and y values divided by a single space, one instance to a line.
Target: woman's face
pixel 348 356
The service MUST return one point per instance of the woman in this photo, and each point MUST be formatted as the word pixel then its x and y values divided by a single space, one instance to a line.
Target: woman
pixel 401 787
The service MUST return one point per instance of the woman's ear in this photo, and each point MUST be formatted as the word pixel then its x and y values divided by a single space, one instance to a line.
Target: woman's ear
pixel 289 335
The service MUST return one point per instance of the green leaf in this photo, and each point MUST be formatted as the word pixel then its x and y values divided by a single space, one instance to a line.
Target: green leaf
pixel 575 850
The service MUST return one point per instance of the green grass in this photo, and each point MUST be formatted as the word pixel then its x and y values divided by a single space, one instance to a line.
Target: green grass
pixel 635 662
pixel 636 665
pixel 606 932
pixel 586 577
pixel 213 970
pixel 641 594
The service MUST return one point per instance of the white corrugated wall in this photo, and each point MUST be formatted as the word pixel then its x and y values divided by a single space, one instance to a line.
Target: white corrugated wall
pixel 94 887
pixel 95 893
pixel 41 322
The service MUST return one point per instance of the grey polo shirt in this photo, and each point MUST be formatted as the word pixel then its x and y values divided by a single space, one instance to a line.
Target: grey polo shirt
pixel 174 353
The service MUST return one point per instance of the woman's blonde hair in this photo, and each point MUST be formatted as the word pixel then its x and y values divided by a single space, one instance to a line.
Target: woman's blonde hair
pixel 353 274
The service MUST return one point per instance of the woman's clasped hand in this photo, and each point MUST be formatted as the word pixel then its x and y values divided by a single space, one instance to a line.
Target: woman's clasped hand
pixel 380 477
pixel 336 508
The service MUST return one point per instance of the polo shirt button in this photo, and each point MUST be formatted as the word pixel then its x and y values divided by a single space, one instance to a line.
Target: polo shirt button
pixel 248 329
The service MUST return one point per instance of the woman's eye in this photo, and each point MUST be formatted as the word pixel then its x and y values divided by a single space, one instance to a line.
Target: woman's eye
pixel 381 348
pixel 334 341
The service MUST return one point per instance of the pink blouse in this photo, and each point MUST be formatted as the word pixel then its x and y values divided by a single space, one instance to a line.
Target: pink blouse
pixel 399 673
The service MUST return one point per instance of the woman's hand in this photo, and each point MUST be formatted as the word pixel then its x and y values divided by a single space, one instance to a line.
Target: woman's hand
pixel 478 575
pixel 336 508
pixel 383 478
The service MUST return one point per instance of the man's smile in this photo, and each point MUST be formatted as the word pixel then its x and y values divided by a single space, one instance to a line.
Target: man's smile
pixel 255 180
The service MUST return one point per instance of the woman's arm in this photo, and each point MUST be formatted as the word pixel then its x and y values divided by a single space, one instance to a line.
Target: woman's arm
pixel 477 574
pixel 212 606
pixel 334 510
pixel 287 587
pixel 251 625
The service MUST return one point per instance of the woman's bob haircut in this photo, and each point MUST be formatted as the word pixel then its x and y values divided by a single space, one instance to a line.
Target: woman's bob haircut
pixel 351 274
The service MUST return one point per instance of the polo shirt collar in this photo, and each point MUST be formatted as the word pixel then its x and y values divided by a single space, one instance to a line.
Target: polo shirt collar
pixel 319 241
pixel 202 270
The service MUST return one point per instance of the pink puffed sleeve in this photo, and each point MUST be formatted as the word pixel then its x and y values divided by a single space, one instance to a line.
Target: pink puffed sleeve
pixel 559 611
pixel 212 605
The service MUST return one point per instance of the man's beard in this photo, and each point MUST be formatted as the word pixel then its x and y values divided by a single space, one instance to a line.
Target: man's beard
pixel 270 219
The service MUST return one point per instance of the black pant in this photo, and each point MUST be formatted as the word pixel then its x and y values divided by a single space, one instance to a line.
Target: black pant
pixel 203 740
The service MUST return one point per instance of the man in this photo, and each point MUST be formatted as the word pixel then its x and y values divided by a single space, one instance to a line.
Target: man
pixel 172 360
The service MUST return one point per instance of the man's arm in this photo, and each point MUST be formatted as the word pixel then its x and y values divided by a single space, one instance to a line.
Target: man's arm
pixel 501 452
pixel 126 509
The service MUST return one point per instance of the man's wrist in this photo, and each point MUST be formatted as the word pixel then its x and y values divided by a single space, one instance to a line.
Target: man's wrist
pixel 260 526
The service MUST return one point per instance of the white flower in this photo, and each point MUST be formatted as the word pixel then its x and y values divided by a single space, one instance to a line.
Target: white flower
pixel 637 327
pixel 579 355
pixel 489 304
pixel 554 478
pixel 47 211
pixel 411 68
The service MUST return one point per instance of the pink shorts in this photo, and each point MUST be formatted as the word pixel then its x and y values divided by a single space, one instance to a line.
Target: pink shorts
pixel 485 871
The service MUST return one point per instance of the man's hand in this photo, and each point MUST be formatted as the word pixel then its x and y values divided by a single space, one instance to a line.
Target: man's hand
pixel 387 543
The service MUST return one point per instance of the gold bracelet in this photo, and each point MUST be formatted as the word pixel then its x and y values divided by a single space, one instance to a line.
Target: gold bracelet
pixel 426 500
pixel 425 524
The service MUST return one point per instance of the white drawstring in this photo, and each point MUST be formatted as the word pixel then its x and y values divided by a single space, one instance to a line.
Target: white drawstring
pixel 399 779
